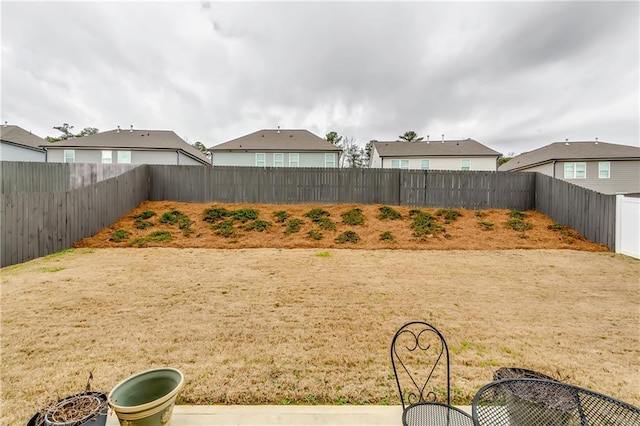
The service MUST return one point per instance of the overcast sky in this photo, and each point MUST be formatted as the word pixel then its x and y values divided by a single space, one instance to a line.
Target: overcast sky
pixel 512 75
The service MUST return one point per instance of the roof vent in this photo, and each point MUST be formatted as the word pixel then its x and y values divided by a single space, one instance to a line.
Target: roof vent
pixel 596 139
pixel 278 129
pixel 5 124
pixel 118 131
pixel 427 138
pixel 443 138
pixel 131 130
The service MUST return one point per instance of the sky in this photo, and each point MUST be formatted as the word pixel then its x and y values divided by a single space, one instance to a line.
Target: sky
pixel 514 76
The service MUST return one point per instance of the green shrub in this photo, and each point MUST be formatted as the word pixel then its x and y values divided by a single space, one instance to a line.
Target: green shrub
pixel 347 237
pixel 314 234
pixel 449 215
pixel 224 228
pixel 424 224
pixel 147 214
pixel 353 217
pixel 387 212
pixel 325 223
pixel 185 224
pixel 387 236
pixel 119 235
pixel 555 227
pixel 257 225
pixel 519 225
pixel 142 224
pixel 516 214
pixel 281 216
pixel 487 226
pixel 157 236
pixel 245 215
pixel 293 225
pixel 480 214
pixel 317 213
pixel 214 214
pixel 171 217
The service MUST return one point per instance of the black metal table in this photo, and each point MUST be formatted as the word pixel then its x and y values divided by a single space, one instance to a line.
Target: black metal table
pixel 435 414
pixel 525 402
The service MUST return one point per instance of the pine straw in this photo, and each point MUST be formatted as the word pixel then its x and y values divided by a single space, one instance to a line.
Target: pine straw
pixel 274 326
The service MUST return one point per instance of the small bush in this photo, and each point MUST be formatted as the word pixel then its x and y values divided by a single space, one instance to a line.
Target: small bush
pixel 480 214
pixel 142 224
pixel 257 225
pixel 314 235
pixel 119 235
pixel 449 215
pixel 245 215
pixel 293 225
pixel 486 226
pixel 185 224
pixel 325 223
pixel 224 228
pixel 157 236
pixel 516 214
pixel 347 237
pixel 171 217
pixel 317 213
pixel 215 214
pixel 519 225
pixel 281 216
pixel 147 214
pixel 387 212
pixel 424 224
pixel 387 236
pixel 555 227
pixel 353 217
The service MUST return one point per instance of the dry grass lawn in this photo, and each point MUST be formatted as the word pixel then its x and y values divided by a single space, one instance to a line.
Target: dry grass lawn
pixel 306 326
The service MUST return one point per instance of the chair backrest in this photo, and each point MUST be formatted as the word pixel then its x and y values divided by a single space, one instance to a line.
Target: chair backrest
pixel 420 360
pixel 525 401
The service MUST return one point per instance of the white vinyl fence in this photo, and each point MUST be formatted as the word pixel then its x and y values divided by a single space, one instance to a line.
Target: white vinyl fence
pixel 628 225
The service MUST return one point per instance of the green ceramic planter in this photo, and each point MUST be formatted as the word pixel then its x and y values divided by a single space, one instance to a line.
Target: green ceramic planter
pixel 147 398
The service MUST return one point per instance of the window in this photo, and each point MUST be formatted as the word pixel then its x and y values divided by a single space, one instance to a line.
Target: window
pixel 106 157
pixel 278 160
pixel 424 164
pixel 399 164
pixel 329 160
pixel 465 164
pixel 604 170
pixel 575 170
pixel 260 160
pixel 69 156
pixel 124 157
pixel 294 160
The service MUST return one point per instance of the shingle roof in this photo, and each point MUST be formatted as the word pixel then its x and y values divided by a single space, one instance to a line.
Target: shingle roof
pixel 277 140
pixel 136 139
pixel 20 136
pixel 448 148
pixel 571 151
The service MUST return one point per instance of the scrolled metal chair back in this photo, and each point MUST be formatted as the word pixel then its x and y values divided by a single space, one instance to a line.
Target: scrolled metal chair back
pixel 420 360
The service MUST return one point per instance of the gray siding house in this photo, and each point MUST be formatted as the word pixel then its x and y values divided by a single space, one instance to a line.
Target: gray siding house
pixel 127 147
pixel 466 154
pixel 277 148
pixel 17 144
pixel 603 167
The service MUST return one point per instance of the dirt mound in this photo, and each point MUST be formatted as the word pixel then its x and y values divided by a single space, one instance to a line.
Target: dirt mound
pixel 219 225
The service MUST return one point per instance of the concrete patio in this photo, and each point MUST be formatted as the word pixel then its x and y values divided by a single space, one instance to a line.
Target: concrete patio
pixel 269 415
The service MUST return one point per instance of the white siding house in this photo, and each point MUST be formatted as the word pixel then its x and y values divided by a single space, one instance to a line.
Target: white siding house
pixel 467 154
pixel 127 147
pixel 277 148
pixel 17 144
pixel 600 166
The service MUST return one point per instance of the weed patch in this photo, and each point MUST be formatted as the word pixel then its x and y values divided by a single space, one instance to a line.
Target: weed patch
pixel 480 214
pixel 486 226
pixel 516 214
pixel 315 235
pixel 519 225
pixel 449 215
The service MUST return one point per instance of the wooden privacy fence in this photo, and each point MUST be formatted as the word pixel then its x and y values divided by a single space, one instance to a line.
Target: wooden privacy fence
pixel 42 213
pixel 36 224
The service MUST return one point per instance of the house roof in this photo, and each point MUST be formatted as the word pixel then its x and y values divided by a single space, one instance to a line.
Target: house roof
pixel 448 148
pixel 277 140
pixel 19 136
pixel 136 139
pixel 591 150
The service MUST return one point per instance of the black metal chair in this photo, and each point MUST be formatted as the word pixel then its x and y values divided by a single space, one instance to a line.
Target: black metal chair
pixel 525 402
pixel 420 360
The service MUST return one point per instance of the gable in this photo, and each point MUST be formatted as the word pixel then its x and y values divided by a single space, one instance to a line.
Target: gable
pixel 278 140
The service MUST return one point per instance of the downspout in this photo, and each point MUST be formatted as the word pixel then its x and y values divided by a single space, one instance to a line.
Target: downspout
pixel 178 158
pixel 554 168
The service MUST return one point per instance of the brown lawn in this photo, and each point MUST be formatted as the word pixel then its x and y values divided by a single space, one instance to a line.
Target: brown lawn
pixel 313 325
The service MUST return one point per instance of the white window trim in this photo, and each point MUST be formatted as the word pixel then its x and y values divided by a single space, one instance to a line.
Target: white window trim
pixel 467 162
pixel 422 163
pixel 121 159
pixel 294 159
pixel 263 161
pixel 278 163
pixel 574 170
pixel 607 170
pixel 107 155
pixel 73 155
pixel 329 160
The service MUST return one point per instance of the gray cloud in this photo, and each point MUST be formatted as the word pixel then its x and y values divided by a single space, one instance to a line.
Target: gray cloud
pixel 515 76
